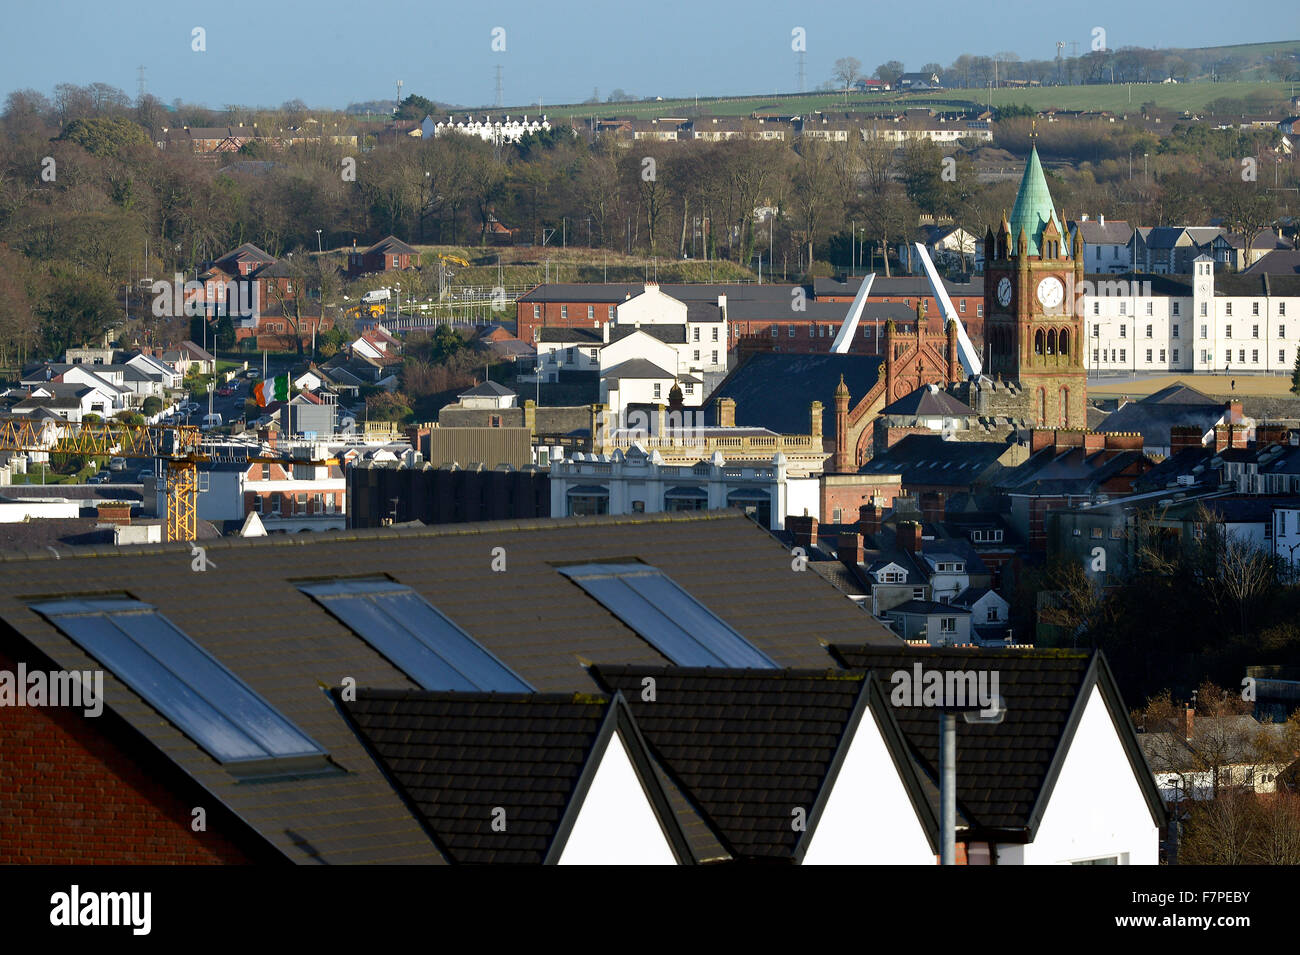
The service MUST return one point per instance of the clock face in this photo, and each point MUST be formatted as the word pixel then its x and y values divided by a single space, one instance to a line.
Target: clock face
pixel 1004 292
pixel 1051 292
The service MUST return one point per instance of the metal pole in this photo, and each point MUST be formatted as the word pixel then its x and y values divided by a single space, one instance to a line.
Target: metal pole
pixel 948 787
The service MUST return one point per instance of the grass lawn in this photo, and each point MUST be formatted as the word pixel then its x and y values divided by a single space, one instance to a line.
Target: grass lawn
pixel 1116 98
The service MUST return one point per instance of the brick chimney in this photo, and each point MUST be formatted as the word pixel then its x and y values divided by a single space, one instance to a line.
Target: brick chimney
pixel 1266 434
pixel 530 415
pixel 849 547
pixel 1232 411
pixel 1229 436
pixel 803 529
pixel 726 412
pixel 114 512
pixel 932 506
pixel 1182 437
pixel 909 536
pixel 815 421
pixel 870 518
pixel 1189 721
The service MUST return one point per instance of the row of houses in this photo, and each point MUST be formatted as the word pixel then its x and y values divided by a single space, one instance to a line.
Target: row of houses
pixel 607 734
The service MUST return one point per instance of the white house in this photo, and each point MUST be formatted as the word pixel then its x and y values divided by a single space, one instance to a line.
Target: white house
pixel 499 129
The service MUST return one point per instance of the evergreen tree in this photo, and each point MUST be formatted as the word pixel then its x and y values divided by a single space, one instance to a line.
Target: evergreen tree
pixel 1295 373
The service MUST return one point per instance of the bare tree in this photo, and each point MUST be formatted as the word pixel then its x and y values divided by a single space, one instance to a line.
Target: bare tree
pixel 846 70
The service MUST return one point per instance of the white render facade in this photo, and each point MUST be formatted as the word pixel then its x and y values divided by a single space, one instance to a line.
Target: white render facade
pixel 639 482
pixel 1129 329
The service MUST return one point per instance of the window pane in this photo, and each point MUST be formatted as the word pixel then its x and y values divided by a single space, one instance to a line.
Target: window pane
pixel 180 679
pixel 421 642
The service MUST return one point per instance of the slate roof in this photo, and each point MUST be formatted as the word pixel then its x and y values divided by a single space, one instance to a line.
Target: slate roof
pixel 1005 771
pixel 460 758
pixel 898 285
pixel 671 334
pixel 286 647
pixel 928 459
pixel 615 293
pixel 773 389
pixel 487 389
pixel 1277 262
pixel 561 333
pixel 637 368
pixel 928 607
pixel 1113 232
pixel 1155 415
pixel 747 747
pixel 929 401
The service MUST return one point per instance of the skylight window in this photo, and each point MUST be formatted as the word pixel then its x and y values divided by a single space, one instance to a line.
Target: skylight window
pixel 666 616
pixel 414 636
pixel 181 680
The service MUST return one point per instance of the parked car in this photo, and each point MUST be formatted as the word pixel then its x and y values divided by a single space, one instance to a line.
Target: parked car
pixel 100 478
pixel 210 421
pixel 252 374
pixel 225 391
pixel 144 476
pixel 117 464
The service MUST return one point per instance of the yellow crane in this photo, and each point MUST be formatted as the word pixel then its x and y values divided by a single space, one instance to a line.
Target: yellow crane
pixel 178 447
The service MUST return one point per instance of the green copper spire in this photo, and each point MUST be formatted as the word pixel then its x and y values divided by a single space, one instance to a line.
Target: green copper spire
pixel 1033 209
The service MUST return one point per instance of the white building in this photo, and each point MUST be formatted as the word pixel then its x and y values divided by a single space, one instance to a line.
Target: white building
pixel 1206 324
pixel 639 482
pixel 499 129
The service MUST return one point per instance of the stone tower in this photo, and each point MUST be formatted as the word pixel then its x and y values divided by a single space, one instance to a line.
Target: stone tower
pixel 1033 306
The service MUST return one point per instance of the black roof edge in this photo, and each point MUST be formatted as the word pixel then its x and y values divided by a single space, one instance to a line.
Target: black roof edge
pixel 618 719
pixel 872 697
pixel 135 745
pixel 1099 675
pixel 336 696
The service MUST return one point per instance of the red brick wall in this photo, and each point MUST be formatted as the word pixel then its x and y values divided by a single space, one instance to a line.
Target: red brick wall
pixel 850 498
pixel 69 794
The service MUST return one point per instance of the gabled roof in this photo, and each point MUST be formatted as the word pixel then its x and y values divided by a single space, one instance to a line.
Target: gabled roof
pixel 636 368
pixel 1277 262
pixel 391 245
pixel 1155 415
pixel 463 760
pixel 748 747
pixel 487 389
pixel 1006 772
pixel 929 400
pixel 561 333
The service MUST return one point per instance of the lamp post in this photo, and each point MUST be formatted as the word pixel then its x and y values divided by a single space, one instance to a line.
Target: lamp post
pixel 318 245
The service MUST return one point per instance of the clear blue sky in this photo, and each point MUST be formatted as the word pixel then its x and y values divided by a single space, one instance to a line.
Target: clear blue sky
pixel 332 52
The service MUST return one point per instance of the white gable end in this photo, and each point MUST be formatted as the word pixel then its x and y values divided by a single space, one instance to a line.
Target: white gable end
pixel 1097 809
pixel 616 824
pixel 869 819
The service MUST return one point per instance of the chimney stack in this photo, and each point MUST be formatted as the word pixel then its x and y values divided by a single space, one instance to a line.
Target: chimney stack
pixel 1232 411
pixel 870 518
pixel 815 421
pixel 726 412
pixel 1182 437
pixel 1189 721
pixel 849 547
pixel 909 536
pixel 803 530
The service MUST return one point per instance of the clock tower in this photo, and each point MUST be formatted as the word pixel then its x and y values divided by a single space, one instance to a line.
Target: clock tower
pixel 1033 306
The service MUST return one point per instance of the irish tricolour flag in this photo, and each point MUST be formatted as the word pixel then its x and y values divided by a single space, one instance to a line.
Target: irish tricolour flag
pixel 273 389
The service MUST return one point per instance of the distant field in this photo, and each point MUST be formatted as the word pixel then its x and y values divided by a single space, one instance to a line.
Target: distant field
pixel 1117 98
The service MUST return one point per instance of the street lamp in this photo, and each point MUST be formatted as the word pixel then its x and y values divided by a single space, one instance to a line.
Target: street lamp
pixel 318 245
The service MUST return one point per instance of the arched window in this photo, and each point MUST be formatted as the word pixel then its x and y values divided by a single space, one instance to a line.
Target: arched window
pixel 1038 342
pixel 1051 341
pixel 1063 343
